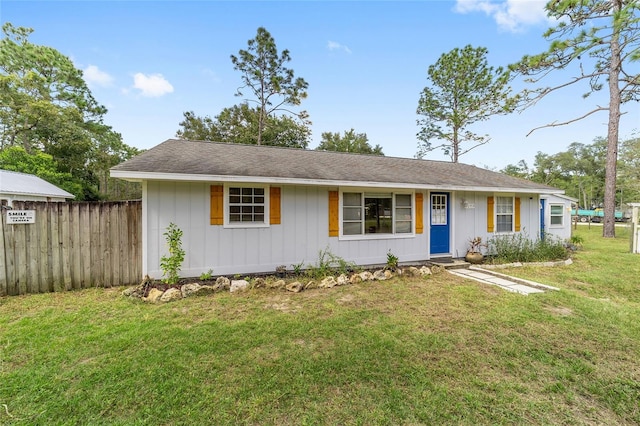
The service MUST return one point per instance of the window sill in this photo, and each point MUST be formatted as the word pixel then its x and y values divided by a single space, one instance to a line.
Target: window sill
pixel 375 237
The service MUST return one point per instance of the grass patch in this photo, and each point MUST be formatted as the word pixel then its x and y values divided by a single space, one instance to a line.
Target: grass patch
pixel 408 351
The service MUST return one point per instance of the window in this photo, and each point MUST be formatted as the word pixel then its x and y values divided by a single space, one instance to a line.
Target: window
pixel 246 205
pixel 557 214
pixel 366 213
pixel 504 214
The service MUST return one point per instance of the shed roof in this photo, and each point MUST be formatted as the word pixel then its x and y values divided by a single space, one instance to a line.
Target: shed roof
pixel 16 183
pixel 211 161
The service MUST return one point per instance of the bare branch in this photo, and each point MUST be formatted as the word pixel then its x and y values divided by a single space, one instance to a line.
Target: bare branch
pixel 556 124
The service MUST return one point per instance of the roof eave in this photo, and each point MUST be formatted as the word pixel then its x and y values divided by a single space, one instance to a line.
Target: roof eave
pixel 137 176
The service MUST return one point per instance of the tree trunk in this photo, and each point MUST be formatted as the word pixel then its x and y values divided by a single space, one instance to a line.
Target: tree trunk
pixel 609 228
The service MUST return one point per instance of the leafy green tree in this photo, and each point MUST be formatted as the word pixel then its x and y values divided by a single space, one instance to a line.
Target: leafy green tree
pixel 520 170
pixel 600 38
pixel 629 171
pixel 463 90
pixel 45 105
pixel 17 159
pixel 266 77
pixel 350 142
pixel 240 123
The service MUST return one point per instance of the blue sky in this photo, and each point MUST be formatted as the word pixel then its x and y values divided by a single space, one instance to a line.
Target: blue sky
pixel 365 63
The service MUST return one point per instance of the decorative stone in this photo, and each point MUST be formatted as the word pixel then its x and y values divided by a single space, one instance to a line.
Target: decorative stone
pixel 206 289
pixel 388 274
pixel 366 276
pixel 276 284
pixel 425 271
pixel 190 289
pixel 415 272
pixel 436 269
pixel 259 283
pixel 154 295
pixel 380 275
pixel 171 295
pixel 310 285
pixel 328 282
pixel 295 287
pixel 399 271
pixel 239 285
pixel 223 283
pixel 342 279
pixel 355 278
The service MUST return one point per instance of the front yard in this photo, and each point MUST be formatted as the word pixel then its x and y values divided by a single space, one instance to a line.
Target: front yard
pixel 440 350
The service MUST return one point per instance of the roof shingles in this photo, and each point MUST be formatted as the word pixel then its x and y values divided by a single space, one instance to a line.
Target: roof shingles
pixel 182 157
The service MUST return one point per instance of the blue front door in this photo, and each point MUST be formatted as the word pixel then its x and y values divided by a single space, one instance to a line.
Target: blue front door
pixel 440 228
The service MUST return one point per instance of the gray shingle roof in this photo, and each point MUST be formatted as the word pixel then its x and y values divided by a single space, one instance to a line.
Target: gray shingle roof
pixel 181 157
pixel 26 184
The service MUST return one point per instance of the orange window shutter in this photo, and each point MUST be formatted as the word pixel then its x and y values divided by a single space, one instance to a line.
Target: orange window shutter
pixel 419 213
pixel 517 214
pixel 490 215
pixel 274 206
pixel 334 206
pixel 217 205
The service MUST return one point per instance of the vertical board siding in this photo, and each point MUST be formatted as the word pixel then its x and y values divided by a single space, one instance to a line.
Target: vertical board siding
pixel 71 246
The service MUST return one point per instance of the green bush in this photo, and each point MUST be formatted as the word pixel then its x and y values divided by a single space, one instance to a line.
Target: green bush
pixel 171 264
pixel 520 248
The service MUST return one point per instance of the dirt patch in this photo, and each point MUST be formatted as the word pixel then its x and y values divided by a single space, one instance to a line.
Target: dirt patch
pixel 560 311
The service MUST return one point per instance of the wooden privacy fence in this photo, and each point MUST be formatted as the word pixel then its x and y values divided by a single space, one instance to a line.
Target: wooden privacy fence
pixel 71 246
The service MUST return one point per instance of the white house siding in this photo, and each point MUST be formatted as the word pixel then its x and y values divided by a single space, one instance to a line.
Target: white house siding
pixel 302 233
pixel 563 231
pixel 471 221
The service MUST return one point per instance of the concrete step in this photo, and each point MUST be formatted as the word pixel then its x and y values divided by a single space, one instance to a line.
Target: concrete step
pixel 450 263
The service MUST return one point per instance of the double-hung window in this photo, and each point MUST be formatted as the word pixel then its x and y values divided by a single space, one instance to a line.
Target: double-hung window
pixel 504 214
pixel 365 213
pixel 557 214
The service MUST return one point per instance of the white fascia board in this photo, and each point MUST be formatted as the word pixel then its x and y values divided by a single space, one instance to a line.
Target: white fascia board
pixel 142 176
pixel 62 194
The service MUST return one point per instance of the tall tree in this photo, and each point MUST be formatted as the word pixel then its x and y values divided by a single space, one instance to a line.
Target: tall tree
pixel 463 90
pixel 600 38
pixel 350 142
pixel 45 105
pixel 265 75
pixel 239 124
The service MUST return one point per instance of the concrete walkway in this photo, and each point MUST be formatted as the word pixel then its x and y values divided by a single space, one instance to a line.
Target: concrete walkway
pixel 516 285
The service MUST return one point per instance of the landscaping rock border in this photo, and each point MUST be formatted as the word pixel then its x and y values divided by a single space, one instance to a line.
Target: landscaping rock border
pixel 152 291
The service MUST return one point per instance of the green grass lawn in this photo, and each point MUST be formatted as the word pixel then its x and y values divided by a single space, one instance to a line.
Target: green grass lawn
pixel 408 351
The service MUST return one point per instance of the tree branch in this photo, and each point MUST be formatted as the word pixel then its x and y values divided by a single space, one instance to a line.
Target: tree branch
pixel 556 124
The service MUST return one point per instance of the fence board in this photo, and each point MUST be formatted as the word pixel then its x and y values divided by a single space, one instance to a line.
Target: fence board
pixel 44 249
pixel 71 246
pixel 85 244
pixel 74 236
pixel 32 246
pixel 3 257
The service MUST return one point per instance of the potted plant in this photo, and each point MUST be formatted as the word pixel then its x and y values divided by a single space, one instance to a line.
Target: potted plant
pixel 474 253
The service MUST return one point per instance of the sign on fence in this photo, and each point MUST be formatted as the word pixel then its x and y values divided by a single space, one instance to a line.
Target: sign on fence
pixel 21 216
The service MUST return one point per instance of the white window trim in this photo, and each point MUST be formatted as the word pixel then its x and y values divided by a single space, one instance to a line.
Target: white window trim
pixel 513 213
pixel 363 236
pixel 561 225
pixel 267 196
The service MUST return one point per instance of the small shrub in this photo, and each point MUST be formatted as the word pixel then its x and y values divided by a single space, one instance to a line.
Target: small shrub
pixel 172 263
pixel 519 248
pixel 328 263
pixel 297 268
pixel 392 260
pixel 205 276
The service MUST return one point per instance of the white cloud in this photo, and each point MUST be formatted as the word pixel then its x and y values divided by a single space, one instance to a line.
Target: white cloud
pixel 95 77
pixel 333 45
pixel 152 86
pixel 510 15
